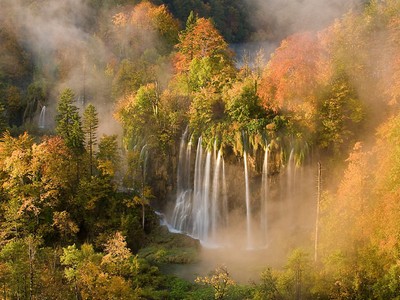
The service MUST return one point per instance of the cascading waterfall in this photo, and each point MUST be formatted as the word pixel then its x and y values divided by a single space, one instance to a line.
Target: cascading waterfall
pixel 248 204
pixel 200 211
pixel 209 200
pixel 215 195
pixel 225 209
pixel 42 118
pixel 264 199
pixel 290 175
pixel 183 206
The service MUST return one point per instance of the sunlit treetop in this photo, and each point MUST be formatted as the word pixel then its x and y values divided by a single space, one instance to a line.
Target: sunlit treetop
pixel 199 41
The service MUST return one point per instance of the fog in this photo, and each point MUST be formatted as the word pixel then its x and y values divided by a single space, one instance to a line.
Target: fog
pixel 276 19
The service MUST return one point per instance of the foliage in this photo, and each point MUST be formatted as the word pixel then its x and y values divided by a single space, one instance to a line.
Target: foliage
pixel 69 125
pixel 219 280
pixel 89 127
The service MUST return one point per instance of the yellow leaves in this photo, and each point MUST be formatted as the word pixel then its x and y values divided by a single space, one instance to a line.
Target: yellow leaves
pixel 62 221
pixel 120 19
pixel 219 280
pixel 203 40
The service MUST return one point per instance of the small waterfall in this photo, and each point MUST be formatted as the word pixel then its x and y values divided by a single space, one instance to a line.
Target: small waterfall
pixel 215 195
pixel 290 176
pixel 198 192
pixel 225 208
pixel 264 199
pixel 42 118
pixel 144 155
pixel 248 204
pixel 183 208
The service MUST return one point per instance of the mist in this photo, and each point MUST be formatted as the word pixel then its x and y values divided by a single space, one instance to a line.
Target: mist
pixel 274 20
pixel 67 51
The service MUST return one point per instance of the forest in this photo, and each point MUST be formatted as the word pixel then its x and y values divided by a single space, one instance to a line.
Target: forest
pixel 135 141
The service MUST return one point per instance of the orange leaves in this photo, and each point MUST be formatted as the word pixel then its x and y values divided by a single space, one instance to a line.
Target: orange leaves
pixel 203 40
pixel 140 28
pixel 291 76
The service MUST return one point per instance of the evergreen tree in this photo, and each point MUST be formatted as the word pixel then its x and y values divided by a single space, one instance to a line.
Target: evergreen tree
pixel 90 125
pixel 68 121
pixel 69 127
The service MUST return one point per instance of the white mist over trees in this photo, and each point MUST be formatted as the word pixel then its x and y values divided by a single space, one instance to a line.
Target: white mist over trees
pixel 228 153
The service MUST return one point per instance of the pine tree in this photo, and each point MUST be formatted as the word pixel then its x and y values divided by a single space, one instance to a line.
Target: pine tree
pixel 90 125
pixel 69 127
pixel 68 121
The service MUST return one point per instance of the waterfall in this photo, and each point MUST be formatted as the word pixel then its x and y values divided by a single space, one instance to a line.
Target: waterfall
pixel 248 204
pixel 290 175
pixel 264 199
pixel 215 195
pixel 183 208
pixel 198 192
pixel 42 118
pixel 200 211
pixel 144 154
pixel 225 208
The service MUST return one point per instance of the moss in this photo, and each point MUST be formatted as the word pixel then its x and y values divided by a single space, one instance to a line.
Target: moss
pixel 166 247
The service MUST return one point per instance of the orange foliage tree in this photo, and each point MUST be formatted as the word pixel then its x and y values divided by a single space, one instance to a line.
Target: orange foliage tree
pixel 202 40
pixel 292 77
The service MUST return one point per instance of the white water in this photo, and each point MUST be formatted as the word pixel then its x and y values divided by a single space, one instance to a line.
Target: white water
pixel 264 200
pixel 200 211
pixel 248 204
pixel 209 202
pixel 42 118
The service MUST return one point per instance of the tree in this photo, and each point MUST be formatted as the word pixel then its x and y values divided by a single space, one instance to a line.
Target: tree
pixel 203 40
pixel 90 124
pixel 340 114
pixel 68 122
pixel 267 288
pixel 292 78
pixel 108 156
pixel 69 127
pixel 117 255
pixel 219 280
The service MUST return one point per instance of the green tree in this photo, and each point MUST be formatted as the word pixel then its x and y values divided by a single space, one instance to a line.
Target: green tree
pixel 68 121
pixel 297 278
pixel 267 288
pixel 340 114
pixel 108 156
pixel 69 126
pixel 90 125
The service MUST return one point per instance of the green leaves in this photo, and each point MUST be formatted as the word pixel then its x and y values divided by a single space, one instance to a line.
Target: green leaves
pixel 68 121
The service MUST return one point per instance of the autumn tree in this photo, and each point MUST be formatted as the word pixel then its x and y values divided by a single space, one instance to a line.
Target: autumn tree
pixel 201 41
pixel 220 280
pixel 117 255
pixel 90 279
pixel 108 156
pixel 153 26
pixel 291 79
